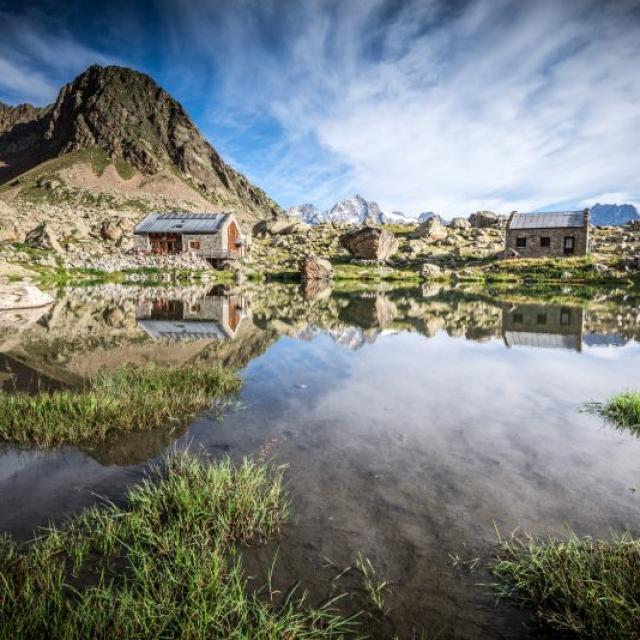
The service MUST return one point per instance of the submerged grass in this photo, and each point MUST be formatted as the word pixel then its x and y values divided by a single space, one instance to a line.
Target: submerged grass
pixel 621 409
pixel 165 566
pixel 113 402
pixel 584 587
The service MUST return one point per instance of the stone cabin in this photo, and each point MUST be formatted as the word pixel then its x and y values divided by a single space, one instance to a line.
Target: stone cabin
pixel 216 237
pixel 552 234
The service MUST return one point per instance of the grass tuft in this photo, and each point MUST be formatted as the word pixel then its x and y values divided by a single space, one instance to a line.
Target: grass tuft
pixel 590 588
pixel 621 409
pixel 112 402
pixel 165 566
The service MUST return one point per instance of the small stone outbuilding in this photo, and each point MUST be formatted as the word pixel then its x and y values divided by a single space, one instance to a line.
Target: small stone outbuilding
pixel 216 237
pixel 551 234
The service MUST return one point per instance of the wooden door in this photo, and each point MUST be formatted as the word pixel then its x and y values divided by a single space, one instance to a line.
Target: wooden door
pixel 233 237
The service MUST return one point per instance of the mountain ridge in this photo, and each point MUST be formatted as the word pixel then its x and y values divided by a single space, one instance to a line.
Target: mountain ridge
pixel 356 210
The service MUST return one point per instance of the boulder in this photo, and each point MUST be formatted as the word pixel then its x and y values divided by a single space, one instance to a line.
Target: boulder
pixel 314 268
pixel 8 232
pixel 298 226
pixel 459 223
pixel 432 229
pixel 42 237
pixel 370 243
pixel 430 270
pixel 110 231
pixel 281 225
pixel 23 296
pixel 484 219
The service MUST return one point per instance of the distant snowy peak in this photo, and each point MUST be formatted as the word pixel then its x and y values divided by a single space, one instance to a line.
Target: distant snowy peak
pixel 396 217
pixel 427 215
pixel 613 214
pixel 354 210
pixel 306 212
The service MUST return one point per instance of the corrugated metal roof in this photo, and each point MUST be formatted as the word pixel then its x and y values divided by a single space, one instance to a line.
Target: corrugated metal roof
pixel 181 223
pixel 181 330
pixel 542 340
pixel 549 220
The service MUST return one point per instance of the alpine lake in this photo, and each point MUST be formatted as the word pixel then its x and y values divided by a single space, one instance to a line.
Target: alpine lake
pixel 417 424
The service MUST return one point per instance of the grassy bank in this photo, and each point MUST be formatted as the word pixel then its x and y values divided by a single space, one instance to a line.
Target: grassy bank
pixel 165 566
pixel 113 402
pixel 587 588
pixel 622 410
pixel 83 276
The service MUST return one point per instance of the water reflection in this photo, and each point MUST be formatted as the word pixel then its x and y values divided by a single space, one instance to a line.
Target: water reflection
pixel 412 421
pixel 543 326
pixel 207 317
pixel 112 325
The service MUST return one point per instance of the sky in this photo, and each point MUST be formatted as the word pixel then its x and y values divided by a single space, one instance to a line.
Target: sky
pixel 422 105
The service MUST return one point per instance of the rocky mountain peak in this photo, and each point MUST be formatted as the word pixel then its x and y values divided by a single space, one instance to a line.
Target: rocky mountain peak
pixel 127 114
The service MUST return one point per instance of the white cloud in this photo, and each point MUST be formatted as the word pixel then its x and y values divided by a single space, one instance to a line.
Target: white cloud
pixel 500 105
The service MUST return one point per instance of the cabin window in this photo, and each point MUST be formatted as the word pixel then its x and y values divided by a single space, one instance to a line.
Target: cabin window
pixel 565 317
pixel 521 242
pixel 545 241
pixel 517 318
pixel 569 244
pixel 541 318
pixel 194 245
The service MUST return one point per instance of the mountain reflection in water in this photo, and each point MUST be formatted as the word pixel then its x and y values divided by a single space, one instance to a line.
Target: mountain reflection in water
pixel 412 421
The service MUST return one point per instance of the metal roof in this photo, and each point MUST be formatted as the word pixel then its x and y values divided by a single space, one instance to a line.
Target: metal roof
pixel 549 220
pixel 183 330
pixel 181 223
pixel 542 340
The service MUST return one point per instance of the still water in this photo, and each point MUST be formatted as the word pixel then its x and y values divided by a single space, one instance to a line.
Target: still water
pixel 414 424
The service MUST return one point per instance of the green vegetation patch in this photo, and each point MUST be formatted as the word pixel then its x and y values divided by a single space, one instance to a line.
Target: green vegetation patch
pixel 100 160
pixel 125 170
pixel 165 566
pixel 112 402
pixel 589 588
pixel 621 409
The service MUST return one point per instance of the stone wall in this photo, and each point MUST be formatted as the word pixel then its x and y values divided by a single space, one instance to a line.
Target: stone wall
pixel 533 248
pixel 211 245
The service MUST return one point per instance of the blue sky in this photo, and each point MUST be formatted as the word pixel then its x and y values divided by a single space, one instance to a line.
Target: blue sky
pixel 421 105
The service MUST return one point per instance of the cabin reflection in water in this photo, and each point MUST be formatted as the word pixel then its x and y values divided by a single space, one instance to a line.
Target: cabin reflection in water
pixel 209 317
pixel 544 326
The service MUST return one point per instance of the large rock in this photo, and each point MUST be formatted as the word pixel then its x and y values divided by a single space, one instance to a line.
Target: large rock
pixel 22 296
pixel 314 268
pixel 432 229
pixel 484 219
pixel 110 231
pixel 370 243
pixel 282 225
pixel 459 223
pixel 42 237
pixel 430 270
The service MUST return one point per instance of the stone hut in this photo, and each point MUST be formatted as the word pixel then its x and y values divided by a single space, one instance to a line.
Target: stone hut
pixel 552 234
pixel 216 237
